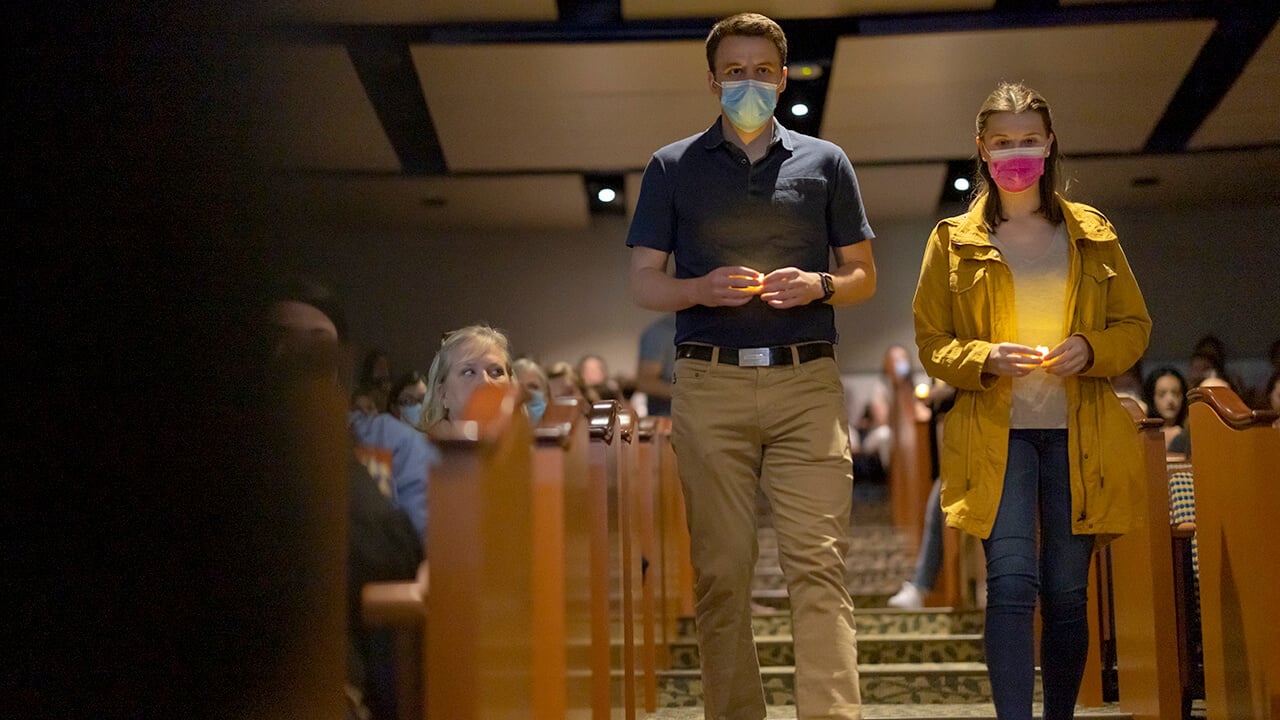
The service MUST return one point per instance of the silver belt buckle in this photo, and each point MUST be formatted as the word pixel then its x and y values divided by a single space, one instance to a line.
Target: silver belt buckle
pixel 753 357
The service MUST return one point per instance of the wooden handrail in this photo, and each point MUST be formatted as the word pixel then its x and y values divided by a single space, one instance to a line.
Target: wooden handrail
pixel 394 604
pixel 1228 406
pixel 486 418
pixel 604 420
pixel 646 428
pixel 556 425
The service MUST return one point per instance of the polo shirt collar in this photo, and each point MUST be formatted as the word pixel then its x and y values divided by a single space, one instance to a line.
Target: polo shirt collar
pixel 714 136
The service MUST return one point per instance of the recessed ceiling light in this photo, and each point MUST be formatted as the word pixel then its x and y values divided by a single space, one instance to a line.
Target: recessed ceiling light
pixel 804 71
pixel 606 195
pixel 961 184
pixel 799 109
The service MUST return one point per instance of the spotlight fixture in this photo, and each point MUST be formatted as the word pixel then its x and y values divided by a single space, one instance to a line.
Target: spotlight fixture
pixel 604 193
pixel 799 109
pixel 957 183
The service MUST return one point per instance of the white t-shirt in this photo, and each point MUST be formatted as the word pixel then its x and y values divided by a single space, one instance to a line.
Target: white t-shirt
pixel 1040 298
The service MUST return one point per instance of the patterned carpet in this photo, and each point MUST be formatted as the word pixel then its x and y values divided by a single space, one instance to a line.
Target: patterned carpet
pixel 890 712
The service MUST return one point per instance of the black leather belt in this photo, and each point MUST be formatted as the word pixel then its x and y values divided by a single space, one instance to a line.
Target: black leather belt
pixel 759 357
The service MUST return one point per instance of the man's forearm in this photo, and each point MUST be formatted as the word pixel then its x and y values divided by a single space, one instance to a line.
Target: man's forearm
pixel 653 289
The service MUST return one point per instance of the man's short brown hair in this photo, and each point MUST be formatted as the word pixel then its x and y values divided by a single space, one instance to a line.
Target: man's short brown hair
pixel 749 24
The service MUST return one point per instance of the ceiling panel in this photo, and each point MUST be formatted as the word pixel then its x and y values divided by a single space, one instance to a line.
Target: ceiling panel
pixel 509 202
pixel 594 107
pixel 1175 181
pixel 415 11
pixel 790 8
pixel 915 97
pixel 1250 112
pixel 314 113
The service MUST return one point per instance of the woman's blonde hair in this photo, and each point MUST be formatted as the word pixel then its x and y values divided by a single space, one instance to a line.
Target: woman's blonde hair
pixel 481 336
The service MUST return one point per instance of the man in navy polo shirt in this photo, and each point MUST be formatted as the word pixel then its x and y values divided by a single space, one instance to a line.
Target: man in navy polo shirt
pixel 753 213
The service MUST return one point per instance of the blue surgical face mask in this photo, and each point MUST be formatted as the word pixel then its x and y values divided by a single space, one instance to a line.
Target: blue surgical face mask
pixel 411 413
pixel 536 406
pixel 748 103
pixel 901 367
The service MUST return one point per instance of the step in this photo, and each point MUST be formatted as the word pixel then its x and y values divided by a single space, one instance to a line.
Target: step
pixel 970 711
pixel 880 579
pixel 908 683
pixel 871 621
pixel 779 650
pixel 863 596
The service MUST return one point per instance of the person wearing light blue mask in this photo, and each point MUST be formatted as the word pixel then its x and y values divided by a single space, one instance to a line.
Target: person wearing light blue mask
pixel 533 380
pixel 748 104
pixel 406 397
pixel 768 233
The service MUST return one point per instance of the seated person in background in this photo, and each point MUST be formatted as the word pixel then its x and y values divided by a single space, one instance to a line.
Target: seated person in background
pixel 373 387
pixel 929 560
pixel 563 381
pixel 533 381
pixel 468 358
pixel 398 457
pixel 657 364
pixel 405 400
pixel 597 385
pixel 382 542
pixel 878 438
pixel 1272 390
pixel 1165 392
pixel 1181 444
pixel 1130 384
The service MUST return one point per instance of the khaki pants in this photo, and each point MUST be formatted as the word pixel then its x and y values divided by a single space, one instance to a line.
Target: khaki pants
pixel 785 430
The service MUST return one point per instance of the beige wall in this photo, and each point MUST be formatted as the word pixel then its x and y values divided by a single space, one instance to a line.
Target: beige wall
pixel 563 294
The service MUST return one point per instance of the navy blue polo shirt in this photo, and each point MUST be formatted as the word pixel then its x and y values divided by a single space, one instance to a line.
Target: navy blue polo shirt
pixel 704 202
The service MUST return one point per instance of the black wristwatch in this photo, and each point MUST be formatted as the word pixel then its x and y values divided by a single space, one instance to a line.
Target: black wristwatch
pixel 828 286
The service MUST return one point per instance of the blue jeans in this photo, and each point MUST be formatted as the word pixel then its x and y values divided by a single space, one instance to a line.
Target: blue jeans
pixel 1021 567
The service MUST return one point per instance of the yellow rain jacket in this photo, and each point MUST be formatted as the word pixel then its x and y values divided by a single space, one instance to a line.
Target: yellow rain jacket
pixel 964 305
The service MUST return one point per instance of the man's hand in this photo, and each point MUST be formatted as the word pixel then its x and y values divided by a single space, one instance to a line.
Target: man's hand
pixel 730 286
pixel 790 287
pixel 1070 357
pixel 1012 360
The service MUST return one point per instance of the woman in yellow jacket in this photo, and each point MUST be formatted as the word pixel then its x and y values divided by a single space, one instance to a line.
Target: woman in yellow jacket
pixel 1027 305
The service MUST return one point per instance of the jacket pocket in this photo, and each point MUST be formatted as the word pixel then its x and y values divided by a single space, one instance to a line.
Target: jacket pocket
pixel 967 281
pixel 1095 281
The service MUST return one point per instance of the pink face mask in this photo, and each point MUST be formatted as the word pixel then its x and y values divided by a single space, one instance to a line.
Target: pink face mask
pixel 1016 169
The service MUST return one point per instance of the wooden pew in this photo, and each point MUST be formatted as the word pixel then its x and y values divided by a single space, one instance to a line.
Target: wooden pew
pixel 910 481
pixel 1143 597
pixel 614 575
pixel 1235 456
pixel 560 460
pixel 909 459
pixel 503 549
pixel 645 484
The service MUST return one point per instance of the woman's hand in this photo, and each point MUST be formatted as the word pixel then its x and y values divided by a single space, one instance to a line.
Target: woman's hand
pixel 1011 360
pixel 1070 357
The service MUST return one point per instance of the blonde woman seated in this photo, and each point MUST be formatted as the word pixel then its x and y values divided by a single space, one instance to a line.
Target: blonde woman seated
pixel 468 358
